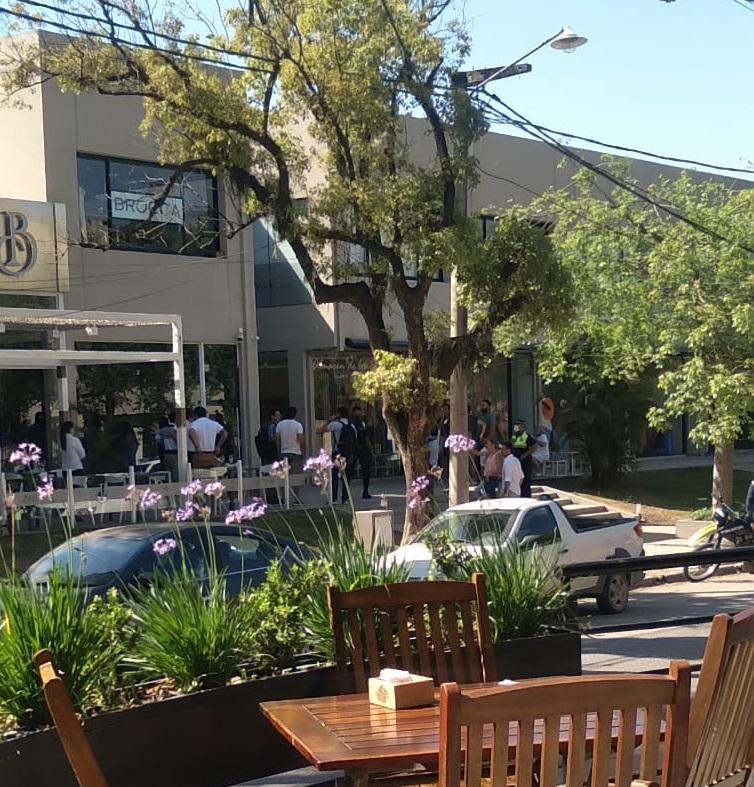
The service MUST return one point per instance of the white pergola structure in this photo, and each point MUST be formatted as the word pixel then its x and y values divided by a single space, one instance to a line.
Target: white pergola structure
pixel 69 319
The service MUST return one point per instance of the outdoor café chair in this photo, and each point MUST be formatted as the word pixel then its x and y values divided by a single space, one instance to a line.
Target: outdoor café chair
pixel 69 729
pixel 557 716
pixel 721 729
pixel 436 629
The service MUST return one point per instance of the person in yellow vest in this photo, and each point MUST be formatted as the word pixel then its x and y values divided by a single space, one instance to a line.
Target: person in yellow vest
pixel 523 447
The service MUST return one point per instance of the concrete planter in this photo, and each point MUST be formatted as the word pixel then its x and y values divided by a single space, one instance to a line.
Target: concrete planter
pixel 208 739
pixel 539 657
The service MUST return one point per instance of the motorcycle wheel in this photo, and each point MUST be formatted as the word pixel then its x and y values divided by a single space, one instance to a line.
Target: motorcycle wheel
pixel 700 573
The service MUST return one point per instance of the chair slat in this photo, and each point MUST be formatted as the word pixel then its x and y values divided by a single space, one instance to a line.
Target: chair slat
pixel 651 743
pixel 474 737
pixel 499 759
pixel 438 642
pixel 525 752
pixel 370 633
pixel 357 657
pixel 454 640
pixel 471 648
pixel 576 751
pixel 417 613
pixel 601 754
pixel 407 656
pixel 624 764
pixel 548 774
pixel 386 627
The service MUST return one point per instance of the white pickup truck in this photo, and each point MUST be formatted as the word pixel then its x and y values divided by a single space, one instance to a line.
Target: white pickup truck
pixel 532 523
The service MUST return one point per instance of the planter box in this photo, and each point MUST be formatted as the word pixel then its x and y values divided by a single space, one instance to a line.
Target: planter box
pixel 539 657
pixel 209 739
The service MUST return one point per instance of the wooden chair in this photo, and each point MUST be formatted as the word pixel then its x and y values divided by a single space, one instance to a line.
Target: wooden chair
pixel 413 626
pixel 721 729
pixel 556 716
pixel 69 729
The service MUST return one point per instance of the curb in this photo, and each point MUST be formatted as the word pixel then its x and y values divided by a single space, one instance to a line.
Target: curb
pixel 678 576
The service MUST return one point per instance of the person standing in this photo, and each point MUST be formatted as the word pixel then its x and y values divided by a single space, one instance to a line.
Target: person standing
pixel 207 437
pixel 523 448
pixel 289 437
pixel 265 441
pixel 343 444
pixel 487 421
pixel 363 453
pixel 541 453
pixel 493 467
pixel 444 434
pixel 72 453
pixel 167 438
pixel 512 472
pixel 127 445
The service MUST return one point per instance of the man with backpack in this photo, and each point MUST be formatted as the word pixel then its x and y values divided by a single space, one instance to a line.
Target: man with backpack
pixel 265 440
pixel 363 453
pixel 343 444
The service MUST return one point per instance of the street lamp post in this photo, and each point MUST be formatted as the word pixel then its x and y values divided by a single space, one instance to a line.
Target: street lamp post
pixel 565 40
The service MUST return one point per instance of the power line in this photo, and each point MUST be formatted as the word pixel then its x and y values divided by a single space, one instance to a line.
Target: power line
pixel 744 5
pixel 526 125
pixel 115 40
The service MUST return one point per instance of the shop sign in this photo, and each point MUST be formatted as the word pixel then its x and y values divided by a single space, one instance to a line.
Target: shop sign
pixel 33 251
pixel 345 363
pixel 141 207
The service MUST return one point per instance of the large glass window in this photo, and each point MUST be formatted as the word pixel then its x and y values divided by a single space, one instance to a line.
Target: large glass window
pixel 117 206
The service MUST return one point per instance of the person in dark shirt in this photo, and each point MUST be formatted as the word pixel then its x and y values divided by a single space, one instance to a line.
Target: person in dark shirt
pixel 364 453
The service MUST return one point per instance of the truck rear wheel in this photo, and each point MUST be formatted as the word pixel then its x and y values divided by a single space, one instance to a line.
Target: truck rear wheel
pixel 614 596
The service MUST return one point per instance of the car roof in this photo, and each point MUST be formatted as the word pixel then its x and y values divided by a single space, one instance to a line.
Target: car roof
pixel 143 531
pixel 498 504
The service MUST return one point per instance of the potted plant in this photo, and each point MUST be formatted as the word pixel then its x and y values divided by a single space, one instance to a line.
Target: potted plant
pixel 535 632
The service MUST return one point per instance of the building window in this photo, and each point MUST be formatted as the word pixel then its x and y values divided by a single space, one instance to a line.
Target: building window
pixel 116 202
pixel 278 277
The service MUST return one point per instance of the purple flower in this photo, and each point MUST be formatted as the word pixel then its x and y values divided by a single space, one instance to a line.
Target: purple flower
pixel 192 489
pixel 436 471
pixel 321 466
pixel 133 493
pixel 26 454
pixel 46 491
pixel 149 499
pixel 214 489
pixel 164 545
pixel 280 469
pixel 341 463
pixel 459 444
pixel 253 510
pixel 417 496
pixel 187 513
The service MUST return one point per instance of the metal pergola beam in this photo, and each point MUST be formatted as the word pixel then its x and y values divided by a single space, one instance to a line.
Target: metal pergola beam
pixel 71 319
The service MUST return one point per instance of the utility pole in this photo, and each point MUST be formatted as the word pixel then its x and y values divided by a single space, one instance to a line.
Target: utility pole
pixel 466 81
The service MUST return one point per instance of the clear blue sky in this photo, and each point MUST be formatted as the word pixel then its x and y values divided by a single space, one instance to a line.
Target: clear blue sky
pixel 673 78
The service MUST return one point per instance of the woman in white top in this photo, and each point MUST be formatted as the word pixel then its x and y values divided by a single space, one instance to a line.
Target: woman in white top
pixel 72 452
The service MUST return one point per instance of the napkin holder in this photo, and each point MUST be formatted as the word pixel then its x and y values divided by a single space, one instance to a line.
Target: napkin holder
pixel 412 693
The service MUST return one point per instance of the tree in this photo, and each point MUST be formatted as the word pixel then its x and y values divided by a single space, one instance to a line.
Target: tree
pixel 671 294
pixel 327 84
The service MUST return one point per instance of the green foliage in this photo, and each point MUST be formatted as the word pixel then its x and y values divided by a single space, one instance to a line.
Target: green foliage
pixel 526 593
pixel 84 640
pixel 604 418
pixel 658 293
pixel 189 631
pixel 345 562
pixel 702 514
pixel 278 615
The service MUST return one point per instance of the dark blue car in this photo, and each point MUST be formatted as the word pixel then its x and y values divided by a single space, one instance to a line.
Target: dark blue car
pixel 125 556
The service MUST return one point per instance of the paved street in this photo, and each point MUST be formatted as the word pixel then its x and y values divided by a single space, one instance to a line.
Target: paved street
pixel 651 648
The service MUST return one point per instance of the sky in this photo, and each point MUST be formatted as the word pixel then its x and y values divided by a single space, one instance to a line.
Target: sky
pixel 673 78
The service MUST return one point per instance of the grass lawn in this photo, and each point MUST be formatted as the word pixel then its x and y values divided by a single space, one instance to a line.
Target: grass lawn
pixel 685 489
pixel 302 525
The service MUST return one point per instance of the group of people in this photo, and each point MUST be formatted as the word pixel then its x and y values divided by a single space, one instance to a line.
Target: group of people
pixel 283 438
pixel 507 466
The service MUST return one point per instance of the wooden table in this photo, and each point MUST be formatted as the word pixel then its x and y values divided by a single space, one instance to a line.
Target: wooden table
pixel 349 733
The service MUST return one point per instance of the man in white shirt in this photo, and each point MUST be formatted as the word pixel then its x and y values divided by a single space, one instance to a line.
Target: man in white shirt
pixel 513 473
pixel 290 439
pixel 206 437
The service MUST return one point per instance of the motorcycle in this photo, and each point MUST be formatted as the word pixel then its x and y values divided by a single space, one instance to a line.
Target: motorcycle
pixel 728 529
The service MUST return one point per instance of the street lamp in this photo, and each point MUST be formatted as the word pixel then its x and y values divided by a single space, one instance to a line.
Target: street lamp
pixel 565 40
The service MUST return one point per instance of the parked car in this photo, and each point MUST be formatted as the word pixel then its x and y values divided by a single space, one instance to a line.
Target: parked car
pixel 119 557
pixel 538 524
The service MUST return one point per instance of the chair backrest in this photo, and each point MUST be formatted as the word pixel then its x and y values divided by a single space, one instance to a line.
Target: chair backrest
pixel 721 731
pixel 440 629
pixel 531 724
pixel 69 729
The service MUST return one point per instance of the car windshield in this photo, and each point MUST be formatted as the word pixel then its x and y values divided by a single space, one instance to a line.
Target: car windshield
pixel 476 527
pixel 93 561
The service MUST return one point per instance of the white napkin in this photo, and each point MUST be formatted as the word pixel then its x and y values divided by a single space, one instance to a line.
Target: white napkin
pixel 395 676
pixel 507 682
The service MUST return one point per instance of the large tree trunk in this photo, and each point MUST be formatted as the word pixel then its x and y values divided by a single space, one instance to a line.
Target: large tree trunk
pixel 722 475
pixel 410 429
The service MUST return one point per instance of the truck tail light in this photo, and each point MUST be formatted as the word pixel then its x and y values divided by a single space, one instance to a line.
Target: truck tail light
pixel 639 530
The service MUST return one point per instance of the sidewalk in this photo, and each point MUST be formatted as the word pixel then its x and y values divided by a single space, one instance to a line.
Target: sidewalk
pixel 742 460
